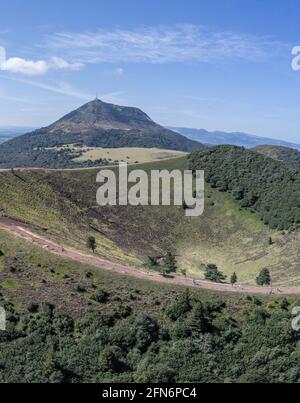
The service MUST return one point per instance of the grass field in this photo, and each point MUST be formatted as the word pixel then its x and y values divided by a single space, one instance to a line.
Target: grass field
pixel 130 155
pixel 62 206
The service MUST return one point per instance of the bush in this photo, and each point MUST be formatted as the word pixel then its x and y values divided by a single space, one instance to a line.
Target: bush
pixel 80 288
pixel 179 307
pixel 264 277
pixel 33 308
pixel 101 296
pixel 213 274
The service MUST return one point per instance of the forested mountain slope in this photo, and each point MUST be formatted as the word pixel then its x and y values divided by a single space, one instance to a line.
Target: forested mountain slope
pixel 268 187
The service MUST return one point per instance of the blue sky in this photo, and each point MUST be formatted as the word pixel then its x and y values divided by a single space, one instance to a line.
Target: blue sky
pixel 217 64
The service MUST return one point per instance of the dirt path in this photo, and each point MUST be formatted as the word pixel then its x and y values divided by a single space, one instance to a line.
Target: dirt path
pixel 21 230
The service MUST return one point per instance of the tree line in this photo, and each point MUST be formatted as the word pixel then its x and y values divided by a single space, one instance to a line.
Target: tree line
pixel 265 186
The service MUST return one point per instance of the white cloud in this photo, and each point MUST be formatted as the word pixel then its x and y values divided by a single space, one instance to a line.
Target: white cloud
pixel 34 68
pixel 168 44
pixel 26 67
pixel 61 64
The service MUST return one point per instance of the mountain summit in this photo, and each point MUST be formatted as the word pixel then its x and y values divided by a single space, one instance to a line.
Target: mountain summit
pixel 95 124
pixel 106 116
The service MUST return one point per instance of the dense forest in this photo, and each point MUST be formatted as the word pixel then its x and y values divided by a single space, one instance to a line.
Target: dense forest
pixel 195 342
pixel 38 152
pixel 267 187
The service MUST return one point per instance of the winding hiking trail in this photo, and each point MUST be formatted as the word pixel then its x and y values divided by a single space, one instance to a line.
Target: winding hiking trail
pixel 22 231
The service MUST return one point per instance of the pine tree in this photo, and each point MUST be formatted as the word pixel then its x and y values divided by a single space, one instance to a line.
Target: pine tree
pixel 170 263
pixel 264 277
pixel 234 279
pixel 91 243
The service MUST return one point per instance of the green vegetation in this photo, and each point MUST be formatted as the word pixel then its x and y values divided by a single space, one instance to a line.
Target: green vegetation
pixel 21 152
pixel 213 274
pixel 264 277
pixel 163 264
pixel 233 279
pixel 261 184
pixel 71 323
pixel 62 206
pixel 101 296
pixel 190 339
pixel 284 154
pixel 91 243
pixel 152 262
pixel 170 263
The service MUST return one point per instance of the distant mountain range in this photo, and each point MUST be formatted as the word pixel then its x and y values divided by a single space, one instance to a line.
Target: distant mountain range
pixel 100 124
pixel 9 132
pixel 95 124
pixel 235 138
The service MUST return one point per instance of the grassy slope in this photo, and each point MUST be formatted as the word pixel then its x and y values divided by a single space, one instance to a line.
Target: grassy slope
pixel 284 154
pixel 64 204
pixel 29 274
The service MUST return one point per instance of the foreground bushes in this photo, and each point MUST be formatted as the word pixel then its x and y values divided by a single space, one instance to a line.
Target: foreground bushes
pixel 192 342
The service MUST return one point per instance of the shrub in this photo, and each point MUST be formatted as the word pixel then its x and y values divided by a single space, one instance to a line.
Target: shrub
pixel 101 296
pixel 213 274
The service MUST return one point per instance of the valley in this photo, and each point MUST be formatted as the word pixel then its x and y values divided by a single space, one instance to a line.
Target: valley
pixel 61 206
pixel 21 231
